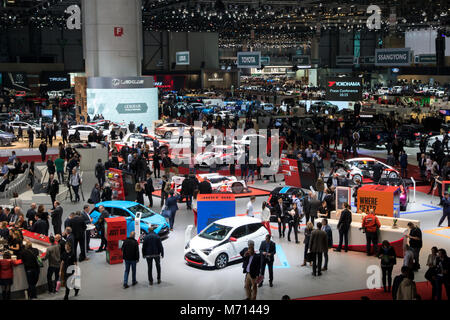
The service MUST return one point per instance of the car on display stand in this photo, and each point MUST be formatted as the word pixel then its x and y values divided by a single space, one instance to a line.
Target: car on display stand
pixel 128 210
pixel 222 241
pixel 404 185
pixel 135 138
pixel 383 90
pixel 169 130
pixel 6 138
pixel 287 194
pixel 219 183
pixel 25 126
pixel 84 131
pixel 223 153
pixel 359 168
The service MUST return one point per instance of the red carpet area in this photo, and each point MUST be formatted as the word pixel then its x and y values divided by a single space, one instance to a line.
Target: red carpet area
pixel 423 289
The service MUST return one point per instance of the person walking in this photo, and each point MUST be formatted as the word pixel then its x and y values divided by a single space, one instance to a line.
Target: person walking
pixel 95 196
pixel 404 164
pixel 415 243
pixel 149 189
pixel 153 250
pixel 267 251
pixel 249 211
pixel 388 259
pixel 187 190
pixel 318 245
pixel 172 206
pixel 100 225
pixel 371 224
pixel 68 258
pixel 75 183
pixel 445 210
pixel 308 230
pixel 165 188
pixel 294 221
pixel 53 255
pixel 53 189
pixel 314 206
pixel 265 216
pixel 343 226
pixel 30 133
pixel 56 215
pixel 139 193
pixel 78 231
pixel 326 227
pixel 156 165
pixel 59 164
pixel 442 274
pixel 43 150
pixel 251 267
pixel 100 172
pixel 130 252
pixel 281 217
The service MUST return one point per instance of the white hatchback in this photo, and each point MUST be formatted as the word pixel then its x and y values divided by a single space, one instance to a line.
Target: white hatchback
pixel 222 241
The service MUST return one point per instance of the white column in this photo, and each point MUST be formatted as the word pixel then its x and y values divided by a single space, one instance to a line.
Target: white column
pixel 106 54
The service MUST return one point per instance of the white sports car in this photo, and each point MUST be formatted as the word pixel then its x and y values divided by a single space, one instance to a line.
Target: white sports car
pixel 219 183
pixel 359 168
pixel 223 240
pixel 221 154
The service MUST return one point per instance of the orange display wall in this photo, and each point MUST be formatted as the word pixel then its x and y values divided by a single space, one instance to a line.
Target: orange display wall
pixel 384 200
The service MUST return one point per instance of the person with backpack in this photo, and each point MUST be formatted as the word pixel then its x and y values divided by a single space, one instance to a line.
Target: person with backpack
pixel 100 172
pixel 371 224
pixel 388 259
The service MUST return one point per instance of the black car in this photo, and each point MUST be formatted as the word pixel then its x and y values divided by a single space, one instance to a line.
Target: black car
pixel 410 134
pixel 286 194
pixel 372 136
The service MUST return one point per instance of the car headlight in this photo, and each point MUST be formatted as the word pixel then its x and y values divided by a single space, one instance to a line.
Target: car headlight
pixel 207 251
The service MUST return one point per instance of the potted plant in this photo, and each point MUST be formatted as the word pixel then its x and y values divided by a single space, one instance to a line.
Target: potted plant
pixel 394 225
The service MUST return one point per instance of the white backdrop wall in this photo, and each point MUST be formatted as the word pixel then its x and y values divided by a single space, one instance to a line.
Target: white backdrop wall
pixel 423 42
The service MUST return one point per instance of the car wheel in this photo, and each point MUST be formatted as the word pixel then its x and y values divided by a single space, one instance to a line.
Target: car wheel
pixel 221 261
pixel 393 175
pixel 357 177
pixel 237 187
pixel 168 135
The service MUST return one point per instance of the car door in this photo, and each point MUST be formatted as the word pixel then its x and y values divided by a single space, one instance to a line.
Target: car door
pixel 257 233
pixel 240 233
pixel 119 212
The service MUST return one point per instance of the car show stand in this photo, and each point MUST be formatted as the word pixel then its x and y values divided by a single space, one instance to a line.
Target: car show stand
pixel 357 239
pixel 212 207
pixel 384 200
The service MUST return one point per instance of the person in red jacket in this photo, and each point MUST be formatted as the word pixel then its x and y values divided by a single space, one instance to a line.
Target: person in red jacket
pixel 371 224
pixel 6 275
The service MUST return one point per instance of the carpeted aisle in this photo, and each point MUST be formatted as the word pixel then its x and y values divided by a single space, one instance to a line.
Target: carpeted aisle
pixel 423 289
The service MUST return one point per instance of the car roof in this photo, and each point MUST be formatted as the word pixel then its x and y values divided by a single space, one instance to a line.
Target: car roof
pixel 237 221
pixel 361 159
pixel 116 204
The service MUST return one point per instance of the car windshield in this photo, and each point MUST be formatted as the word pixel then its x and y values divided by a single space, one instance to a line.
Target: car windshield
pixel 215 232
pixel 146 213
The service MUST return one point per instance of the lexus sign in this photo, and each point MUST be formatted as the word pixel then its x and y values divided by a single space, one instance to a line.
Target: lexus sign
pixel 343 89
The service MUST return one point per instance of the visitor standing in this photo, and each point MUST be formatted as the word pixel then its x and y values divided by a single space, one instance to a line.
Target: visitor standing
pixel 267 251
pixel 343 226
pixel 318 245
pixel 153 250
pixel 130 252
pixel 388 260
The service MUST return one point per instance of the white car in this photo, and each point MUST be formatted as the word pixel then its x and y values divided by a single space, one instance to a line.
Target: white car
pixel 169 130
pixel 24 126
pixel 359 168
pixel 219 183
pixel 383 90
pixel 222 241
pixel 397 89
pixel 84 131
pixel 248 139
pixel 225 154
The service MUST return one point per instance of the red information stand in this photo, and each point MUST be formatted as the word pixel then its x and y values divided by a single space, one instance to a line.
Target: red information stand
pixel 115 179
pixel 289 167
pixel 115 229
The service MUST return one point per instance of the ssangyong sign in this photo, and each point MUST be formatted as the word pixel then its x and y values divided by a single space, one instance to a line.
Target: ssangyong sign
pixel 393 57
pixel 343 89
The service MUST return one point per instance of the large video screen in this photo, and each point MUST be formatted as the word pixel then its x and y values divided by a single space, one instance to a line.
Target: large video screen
pixel 124 105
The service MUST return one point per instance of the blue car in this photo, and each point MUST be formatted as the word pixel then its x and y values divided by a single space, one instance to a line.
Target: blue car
pixel 128 209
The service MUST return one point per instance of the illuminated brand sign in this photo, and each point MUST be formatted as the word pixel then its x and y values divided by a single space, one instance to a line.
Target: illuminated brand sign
pixel 249 59
pixel 343 89
pixel 393 57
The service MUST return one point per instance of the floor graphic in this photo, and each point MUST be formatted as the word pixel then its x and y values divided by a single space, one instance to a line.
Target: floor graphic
pixel 282 257
pixel 436 230
pixel 430 208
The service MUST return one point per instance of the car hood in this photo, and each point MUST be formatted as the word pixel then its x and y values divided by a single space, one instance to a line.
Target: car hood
pixel 200 243
pixel 155 219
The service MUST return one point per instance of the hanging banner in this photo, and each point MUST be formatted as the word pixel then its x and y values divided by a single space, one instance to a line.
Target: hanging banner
pixel 249 59
pixel 393 57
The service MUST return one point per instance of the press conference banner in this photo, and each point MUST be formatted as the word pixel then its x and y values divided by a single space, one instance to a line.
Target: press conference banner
pixel 249 59
pixel 393 57
pixel 343 89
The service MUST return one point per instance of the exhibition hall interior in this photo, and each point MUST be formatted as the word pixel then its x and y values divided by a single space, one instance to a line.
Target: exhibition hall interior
pixel 212 150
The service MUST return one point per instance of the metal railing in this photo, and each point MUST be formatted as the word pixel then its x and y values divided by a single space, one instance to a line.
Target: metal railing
pixel 16 186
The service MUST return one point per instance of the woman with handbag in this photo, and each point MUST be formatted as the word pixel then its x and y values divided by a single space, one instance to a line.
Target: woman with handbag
pixel 139 193
pixel 388 260
pixel 308 230
pixel 293 221
pixel 265 216
pixel 68 259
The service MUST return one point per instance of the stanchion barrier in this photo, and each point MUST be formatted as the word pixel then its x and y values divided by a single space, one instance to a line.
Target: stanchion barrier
pixel 414 184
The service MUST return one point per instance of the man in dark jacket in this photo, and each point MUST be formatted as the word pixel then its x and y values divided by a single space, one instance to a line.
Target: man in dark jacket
pixel 43 150
pixel 314 205
pixel 377 172
pixel 187 190
pixel 267 251
pixel 40 226
pixel 100 172
pixel 152 249
pixel 31 266
pixel 204 187
pixel 415 242
pixel 53 189
pixel 397 280
pixel 100 225
pixel 318 244
pixel 149 188
pixel 252 268
pixel 343 226
pixel 56 216
pixel 404 164
pixel 79 231
pixel 130 251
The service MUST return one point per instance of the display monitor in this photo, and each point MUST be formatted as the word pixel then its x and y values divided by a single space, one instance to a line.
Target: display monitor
pixel 47 113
